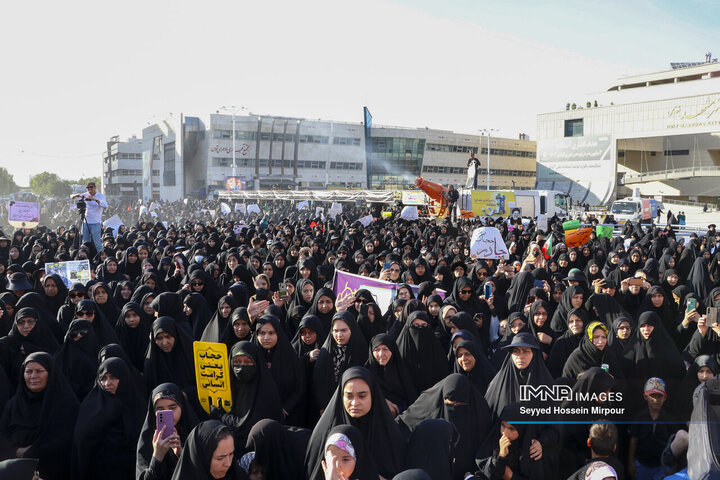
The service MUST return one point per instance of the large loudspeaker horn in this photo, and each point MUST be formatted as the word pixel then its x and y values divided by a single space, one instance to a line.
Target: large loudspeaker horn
pixel 436 192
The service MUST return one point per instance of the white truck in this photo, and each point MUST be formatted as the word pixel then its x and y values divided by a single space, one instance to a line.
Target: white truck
pixel 527 203
pixel 634 209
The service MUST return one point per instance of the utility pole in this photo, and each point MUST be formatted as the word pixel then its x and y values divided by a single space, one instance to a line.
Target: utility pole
pixel 487 132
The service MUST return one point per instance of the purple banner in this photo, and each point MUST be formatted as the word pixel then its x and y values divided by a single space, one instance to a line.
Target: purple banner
pixel 383 292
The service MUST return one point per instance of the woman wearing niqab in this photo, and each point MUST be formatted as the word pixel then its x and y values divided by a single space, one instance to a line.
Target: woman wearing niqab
pixel 421 351
pixel 39 419
pixel 254 393
pixel 455 400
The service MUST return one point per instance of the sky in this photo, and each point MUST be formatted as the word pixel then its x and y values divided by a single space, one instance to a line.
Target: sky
pixel 76 73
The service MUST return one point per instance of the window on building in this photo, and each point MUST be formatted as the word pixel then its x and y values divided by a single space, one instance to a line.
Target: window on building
pixel 169 164
pixel 346 141
pixel 574 127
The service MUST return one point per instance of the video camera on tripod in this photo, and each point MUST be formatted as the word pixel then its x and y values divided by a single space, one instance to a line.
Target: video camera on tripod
pixel 81 205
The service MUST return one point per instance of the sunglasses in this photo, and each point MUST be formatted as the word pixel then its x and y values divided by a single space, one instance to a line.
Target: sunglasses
pixel 84 314
pixel 197 284
pixel 466 292
pixel 76 295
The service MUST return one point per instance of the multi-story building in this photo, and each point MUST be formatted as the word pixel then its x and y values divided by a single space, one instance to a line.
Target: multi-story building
pixel 273 152
pixel 122 168
pixel 658 132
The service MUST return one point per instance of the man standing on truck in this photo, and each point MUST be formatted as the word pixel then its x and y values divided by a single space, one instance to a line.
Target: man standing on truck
pixel 452 197
pixel 473 171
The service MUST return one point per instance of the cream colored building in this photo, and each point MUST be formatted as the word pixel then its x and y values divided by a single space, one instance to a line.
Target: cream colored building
pixel 193 156
pixel 658 132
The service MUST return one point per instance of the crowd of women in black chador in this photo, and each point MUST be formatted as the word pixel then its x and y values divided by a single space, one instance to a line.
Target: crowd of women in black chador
pixel 430 382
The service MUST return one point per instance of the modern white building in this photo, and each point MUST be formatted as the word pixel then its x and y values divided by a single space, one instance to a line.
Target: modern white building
pixel 658 132
pixel 189 157
pixel 122 168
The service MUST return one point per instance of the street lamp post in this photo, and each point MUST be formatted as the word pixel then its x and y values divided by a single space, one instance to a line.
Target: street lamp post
pixel 487 132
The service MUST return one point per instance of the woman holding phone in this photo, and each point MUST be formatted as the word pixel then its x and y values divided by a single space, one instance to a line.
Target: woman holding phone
pixel 160 445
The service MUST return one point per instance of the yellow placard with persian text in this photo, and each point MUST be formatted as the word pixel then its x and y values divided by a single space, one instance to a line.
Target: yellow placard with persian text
pixel 492 203
pixel 212 375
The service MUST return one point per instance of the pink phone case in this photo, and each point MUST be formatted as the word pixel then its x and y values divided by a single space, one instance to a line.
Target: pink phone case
pixel 165 418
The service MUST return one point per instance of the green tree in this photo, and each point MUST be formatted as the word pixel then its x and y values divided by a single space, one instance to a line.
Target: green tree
pixel 7 182
pixel 84 180
pixel 50 185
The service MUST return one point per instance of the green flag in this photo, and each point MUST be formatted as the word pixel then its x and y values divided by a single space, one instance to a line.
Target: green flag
pixel 604 231
pixel 571 225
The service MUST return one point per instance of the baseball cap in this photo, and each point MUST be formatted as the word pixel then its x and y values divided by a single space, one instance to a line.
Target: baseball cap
pixel 599 471
pixel 654 385
pixel 342 442
pixel 90 185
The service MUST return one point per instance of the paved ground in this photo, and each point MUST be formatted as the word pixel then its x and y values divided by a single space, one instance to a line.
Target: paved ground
pixel 695 215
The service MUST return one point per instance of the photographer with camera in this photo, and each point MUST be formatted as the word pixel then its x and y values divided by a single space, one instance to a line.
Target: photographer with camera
pixel 94 203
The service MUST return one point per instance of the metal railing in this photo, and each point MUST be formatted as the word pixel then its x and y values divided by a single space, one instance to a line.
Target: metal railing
pixel 676 173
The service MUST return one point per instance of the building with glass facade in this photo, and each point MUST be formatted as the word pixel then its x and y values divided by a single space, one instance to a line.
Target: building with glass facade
pixel 191 156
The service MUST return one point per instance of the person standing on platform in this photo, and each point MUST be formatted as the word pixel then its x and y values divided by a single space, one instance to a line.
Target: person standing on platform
pixel 473 171
pixel 452 197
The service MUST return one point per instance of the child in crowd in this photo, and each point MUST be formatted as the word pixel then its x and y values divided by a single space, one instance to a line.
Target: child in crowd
pixel 649 434
pixel 603 444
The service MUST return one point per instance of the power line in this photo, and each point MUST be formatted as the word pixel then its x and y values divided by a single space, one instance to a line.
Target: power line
pixel 81 155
